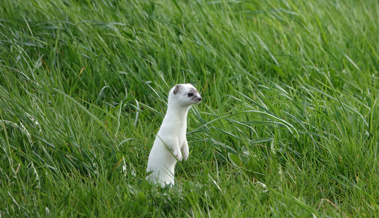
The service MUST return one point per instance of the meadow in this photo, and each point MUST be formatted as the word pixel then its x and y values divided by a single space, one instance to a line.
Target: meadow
pixel 288 125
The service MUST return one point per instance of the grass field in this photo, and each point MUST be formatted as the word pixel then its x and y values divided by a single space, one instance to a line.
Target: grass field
pixel 288 125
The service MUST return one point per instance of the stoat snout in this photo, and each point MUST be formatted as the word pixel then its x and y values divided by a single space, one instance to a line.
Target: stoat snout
pixel 194 95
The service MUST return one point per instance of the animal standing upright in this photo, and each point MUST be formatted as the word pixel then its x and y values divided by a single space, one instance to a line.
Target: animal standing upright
pixel 171 143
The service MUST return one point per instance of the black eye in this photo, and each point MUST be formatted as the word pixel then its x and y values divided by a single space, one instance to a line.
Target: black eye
pixel 190 94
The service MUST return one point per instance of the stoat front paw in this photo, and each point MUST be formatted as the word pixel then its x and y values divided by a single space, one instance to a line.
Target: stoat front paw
pixel 178 155
pixel 185 155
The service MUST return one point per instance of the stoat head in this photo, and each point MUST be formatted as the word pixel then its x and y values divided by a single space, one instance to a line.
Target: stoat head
pixel 184 95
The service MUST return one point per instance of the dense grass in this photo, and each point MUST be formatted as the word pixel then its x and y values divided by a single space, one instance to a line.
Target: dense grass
pixel 288 125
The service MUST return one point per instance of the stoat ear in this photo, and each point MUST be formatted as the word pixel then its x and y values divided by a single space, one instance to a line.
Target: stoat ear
pixel 176 90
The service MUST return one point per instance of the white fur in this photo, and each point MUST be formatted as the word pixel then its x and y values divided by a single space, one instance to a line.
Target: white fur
pixel 171 138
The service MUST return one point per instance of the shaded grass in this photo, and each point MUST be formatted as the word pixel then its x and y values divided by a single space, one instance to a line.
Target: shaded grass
pixel 288 125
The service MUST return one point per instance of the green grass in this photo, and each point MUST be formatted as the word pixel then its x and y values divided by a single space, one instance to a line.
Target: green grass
pixel 288 125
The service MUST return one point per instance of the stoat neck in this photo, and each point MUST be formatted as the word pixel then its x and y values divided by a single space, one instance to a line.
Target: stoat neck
pixel 177 113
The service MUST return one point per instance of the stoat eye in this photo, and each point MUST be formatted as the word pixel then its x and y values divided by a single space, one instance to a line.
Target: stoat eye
pixel 190 94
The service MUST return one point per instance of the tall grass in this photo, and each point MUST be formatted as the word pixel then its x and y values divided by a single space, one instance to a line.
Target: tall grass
pixel 288 125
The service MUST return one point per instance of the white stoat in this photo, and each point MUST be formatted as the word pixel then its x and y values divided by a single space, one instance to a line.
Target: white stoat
pixel 171 138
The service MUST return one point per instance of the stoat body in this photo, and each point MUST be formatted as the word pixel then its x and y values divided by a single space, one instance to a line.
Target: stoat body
pixel 171 143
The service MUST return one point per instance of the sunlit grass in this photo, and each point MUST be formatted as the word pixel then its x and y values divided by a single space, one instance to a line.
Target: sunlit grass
pixel 288 125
